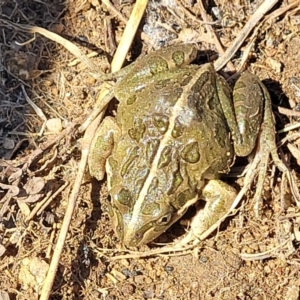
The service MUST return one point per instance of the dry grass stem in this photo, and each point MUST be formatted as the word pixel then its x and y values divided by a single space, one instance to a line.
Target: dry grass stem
pixel 128 34
pixel 56 38
pixel 124 20
pixel 209 28
pixel 37 110
pixel 254 19
pixel 267 254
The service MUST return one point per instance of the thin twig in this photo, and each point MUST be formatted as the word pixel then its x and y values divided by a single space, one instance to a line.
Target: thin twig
pixel 209 28
pixel 128 35
pixel 289 127
pixel 144 36
pixel 265 254
pixel 230 52
pixel 37 110
pixel 40 207
pixel 288 112
pixel 58 39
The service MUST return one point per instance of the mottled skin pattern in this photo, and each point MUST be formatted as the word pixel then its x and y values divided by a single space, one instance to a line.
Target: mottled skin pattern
pixel 171 138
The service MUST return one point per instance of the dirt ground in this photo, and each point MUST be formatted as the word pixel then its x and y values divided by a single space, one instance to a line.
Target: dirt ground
pixel 248 258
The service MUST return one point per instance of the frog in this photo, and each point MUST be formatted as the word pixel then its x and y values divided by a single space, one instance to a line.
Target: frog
pixel 177 130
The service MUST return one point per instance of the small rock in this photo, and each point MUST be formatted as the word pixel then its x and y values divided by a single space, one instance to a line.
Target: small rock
pixel 8 143
pixel 54 125
pixel 32 273
pixel 274 64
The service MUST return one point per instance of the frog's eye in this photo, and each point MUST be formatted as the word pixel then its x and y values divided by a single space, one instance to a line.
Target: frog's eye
pixel 164 220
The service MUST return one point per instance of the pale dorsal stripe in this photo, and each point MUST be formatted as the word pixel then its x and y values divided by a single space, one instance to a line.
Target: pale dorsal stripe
pixel 176 110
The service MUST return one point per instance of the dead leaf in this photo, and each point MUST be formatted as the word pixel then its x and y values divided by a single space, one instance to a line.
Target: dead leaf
pixel 2 251
pixel 24 208
pixel 34 185
pixel 14 190
pixel 14 176
pixel 15 237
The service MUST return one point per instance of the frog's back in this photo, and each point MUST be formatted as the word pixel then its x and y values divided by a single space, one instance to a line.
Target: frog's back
pixel 184 115
pixel 173 136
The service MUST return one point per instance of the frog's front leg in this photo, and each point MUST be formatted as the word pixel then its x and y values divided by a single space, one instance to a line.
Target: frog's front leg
pixel 219 197
pixel 102 146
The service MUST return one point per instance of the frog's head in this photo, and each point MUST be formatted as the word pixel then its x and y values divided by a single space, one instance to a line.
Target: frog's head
pixel 139 220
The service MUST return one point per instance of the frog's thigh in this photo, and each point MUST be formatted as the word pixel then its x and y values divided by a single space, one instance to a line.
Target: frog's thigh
pixel 219 197
pixel 249 95
pixel 102 145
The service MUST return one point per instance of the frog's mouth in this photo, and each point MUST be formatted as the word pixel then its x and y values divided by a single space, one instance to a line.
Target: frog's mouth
pixel 140 224
pixel 147 228
pixel 149 231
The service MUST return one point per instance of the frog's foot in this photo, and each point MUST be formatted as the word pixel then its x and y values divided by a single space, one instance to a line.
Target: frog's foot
pixel 266 147
pixel 219 197
pixel 222 200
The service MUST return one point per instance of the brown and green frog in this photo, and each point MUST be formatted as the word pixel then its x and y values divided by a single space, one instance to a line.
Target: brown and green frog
pixel 178 128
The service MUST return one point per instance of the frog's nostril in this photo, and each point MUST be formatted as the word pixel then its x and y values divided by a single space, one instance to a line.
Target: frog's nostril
pixel 164 219
pixel 138 236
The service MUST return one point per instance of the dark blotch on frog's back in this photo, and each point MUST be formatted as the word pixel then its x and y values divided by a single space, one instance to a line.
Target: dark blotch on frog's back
pixel 161 122
pixel 178 128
